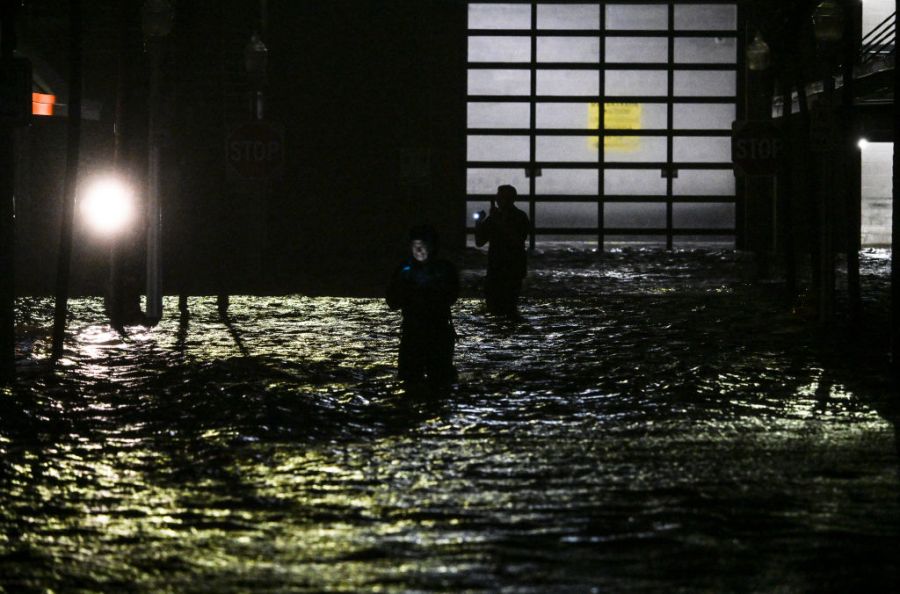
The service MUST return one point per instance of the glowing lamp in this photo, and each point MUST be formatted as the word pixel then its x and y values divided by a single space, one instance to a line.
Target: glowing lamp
pixel 42 104
pixel 862 144
pixel 108 205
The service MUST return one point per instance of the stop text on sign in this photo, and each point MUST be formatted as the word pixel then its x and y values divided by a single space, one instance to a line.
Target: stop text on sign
pixel 255 150
pixel 757 147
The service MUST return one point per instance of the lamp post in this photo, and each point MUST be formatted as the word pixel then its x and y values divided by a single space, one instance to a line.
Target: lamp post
pixel 73 151
pixel 828 27
pixel 16 95
pixel 852 157
pixel 256 59
pixel 157 17
pixel 759 60
pixel 760 185
pixel 895 228
pixel 759 107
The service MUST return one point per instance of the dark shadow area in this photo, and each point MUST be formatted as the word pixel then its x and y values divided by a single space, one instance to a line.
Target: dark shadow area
pixel 184 324
pixel 233 331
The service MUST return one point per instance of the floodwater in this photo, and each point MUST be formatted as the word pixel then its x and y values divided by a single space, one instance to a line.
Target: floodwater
pixel 653 423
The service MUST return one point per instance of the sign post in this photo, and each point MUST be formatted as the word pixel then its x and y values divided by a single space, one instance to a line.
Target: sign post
pixel 254 153
pixel 823 127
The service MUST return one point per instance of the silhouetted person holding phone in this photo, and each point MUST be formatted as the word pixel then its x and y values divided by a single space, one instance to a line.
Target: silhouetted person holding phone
pixel 423 289
pixel 505 229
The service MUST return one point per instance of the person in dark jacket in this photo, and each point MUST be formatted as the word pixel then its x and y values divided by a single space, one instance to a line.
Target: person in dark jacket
pixel 423 289
pixel 505 229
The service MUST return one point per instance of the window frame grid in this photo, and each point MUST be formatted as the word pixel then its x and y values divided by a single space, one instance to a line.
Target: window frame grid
pixel 670 100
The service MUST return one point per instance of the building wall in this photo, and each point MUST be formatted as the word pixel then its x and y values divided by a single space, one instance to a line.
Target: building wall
pixel 372 98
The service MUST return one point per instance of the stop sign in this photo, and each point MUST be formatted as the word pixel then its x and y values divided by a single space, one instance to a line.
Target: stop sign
pixel 255 150
pixel 756 147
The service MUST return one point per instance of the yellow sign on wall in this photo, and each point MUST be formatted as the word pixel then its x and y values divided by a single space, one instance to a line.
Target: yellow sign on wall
pixel 616 116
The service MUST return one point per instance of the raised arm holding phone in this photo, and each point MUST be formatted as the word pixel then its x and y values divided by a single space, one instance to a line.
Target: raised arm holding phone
pixel 505 229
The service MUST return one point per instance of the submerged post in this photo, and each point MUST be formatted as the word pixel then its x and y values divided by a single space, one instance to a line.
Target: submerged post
pixel 7 255
pixel 73 141
pixel 16 110
pixel 851 153
pixel 786 191
pixel 895 229
pixel 157 17
pixel 154 214
pixel 828 26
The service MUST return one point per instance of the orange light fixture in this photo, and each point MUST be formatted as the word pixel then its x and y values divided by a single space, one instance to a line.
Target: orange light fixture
pixel 42 104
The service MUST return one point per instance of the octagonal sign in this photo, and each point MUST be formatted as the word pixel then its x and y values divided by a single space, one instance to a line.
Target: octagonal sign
pixel 756 147
pixel 255 150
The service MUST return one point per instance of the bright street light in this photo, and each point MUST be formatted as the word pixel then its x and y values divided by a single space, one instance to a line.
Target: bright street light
pixel 863 143
pixel 107 205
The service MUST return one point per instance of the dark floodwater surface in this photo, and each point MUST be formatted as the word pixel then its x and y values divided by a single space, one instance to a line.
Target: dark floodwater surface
pixel 653 423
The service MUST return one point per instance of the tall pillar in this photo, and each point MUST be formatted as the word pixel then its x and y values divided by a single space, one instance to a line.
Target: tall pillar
pixel 849 135
pixel 154 211
pixel 895 229
pixel 157 19
pixel 16 111
pixel 73 141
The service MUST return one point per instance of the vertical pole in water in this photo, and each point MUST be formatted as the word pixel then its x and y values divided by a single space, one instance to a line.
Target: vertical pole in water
pixel 7 212
pixel 115 294
pixel 895 228
pixel 826 208
pixel 154 214
pixel 851 158
pixel 531 172
pixel 810 183
pixel 7 255
pixel 785 189
pixel 73 141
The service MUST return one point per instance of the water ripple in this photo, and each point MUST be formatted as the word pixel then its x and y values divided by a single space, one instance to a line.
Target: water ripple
pixel 652 422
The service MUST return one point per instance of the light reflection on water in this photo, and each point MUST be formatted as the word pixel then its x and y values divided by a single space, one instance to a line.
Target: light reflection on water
pixel 640 429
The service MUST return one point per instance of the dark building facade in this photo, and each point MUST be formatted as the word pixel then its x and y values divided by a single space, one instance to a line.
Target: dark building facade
pixel 369 97
pixel 387 116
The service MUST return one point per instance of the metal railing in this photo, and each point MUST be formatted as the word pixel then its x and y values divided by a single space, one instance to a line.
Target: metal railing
pixel 879 44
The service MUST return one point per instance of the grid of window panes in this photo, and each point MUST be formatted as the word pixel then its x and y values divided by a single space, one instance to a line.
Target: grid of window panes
pixel 612 120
